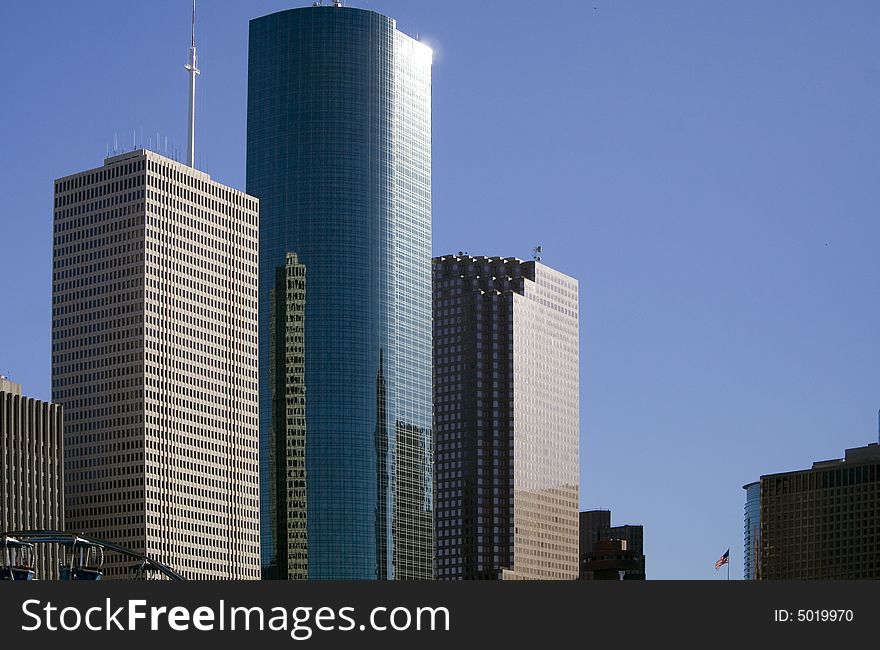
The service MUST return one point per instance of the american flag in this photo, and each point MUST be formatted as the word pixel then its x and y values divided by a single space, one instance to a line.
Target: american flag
pixel 724 559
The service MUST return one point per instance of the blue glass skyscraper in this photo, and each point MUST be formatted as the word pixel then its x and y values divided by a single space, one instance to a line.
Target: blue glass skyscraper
pixel 339 154
pixel 752 531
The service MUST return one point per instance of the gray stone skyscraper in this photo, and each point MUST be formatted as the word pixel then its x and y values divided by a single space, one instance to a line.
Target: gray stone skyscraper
pixel 506 419
pixel 339 154
pixel 154 358
pixel 31 469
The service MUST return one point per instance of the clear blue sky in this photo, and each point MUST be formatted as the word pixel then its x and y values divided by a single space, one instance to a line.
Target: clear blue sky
pixel 708 171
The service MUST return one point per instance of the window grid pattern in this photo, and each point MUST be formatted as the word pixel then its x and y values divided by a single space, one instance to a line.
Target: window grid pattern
pixel 505 419
pixel 822 524
pixel 31 482
pixel 287 510
pixel 155 361
pixel 339 154
pixel 752 531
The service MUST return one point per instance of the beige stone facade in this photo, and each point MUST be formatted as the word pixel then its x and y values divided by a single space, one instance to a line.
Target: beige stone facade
pixel 546 433
pixel 31 470
pixel 154 357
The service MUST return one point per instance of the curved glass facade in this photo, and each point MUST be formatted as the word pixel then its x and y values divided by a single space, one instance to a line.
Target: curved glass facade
pixel 339 154
pixel 752 531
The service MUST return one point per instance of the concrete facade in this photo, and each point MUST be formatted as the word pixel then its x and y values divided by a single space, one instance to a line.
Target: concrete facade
pixel 154 357
pixel 31 470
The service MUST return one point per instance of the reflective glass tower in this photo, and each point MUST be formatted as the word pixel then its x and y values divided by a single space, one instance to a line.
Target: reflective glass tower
pixel 507 419
pixel 339 153
pixel 752 531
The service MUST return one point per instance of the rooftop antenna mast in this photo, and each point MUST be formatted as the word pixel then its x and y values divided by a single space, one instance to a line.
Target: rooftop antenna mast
pixel 193 71
pixel 536 253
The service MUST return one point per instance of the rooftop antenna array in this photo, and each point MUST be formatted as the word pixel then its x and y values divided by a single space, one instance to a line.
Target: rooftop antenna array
pixel 193 71
pixel 158 143
pixel 536 252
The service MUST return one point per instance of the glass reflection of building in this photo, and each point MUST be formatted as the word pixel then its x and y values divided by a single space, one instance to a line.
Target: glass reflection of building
pixel 286 511
pixel 752 531
pixel 506 419
pixel 339 153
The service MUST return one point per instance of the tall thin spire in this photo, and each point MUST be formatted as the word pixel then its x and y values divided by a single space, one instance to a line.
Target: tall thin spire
pixel 193 71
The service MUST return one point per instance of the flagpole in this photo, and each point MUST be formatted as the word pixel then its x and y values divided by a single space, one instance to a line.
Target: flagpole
pixel 724 559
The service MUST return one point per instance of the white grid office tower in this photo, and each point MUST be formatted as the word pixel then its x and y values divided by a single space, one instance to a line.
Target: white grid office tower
pixel 154 358
pixel 506 419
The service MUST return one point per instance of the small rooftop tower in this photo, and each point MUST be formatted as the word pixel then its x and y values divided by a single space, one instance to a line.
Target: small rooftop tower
pixel 193 71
